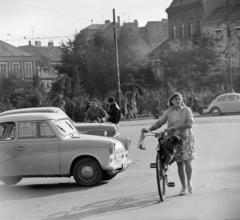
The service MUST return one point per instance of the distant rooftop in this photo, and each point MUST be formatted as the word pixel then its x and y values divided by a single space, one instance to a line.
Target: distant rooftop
pixel 7 50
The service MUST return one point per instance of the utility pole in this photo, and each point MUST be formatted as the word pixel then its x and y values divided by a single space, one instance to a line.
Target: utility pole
pixel 117 63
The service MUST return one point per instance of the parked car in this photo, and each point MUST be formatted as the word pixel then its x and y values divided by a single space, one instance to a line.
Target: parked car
pixel 49 145
pixel 225 103
pixel 102 129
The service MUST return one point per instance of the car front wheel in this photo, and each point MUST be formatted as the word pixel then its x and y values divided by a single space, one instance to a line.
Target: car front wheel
pixel 11 180
pixel 87 172
pixel 216 111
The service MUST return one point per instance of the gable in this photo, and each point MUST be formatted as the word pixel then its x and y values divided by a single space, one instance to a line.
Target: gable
pixel 7 50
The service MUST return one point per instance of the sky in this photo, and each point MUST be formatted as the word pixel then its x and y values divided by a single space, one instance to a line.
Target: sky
pixel 22 21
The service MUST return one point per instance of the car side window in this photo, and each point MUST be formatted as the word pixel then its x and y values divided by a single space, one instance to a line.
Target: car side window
pixel 27 130
pixel 7 131
pixel 2 129
pixel 231 97
pixel 223 99
pixel 45 130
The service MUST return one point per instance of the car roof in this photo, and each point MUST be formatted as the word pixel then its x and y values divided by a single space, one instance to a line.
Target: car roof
pixel 230 93
pixel 31 117
pixel 32 110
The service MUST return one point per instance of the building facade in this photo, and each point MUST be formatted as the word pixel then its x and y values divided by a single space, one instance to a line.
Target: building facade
pixel 14 60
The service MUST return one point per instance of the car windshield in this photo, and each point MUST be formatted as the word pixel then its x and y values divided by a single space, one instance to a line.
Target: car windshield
pixel 65 128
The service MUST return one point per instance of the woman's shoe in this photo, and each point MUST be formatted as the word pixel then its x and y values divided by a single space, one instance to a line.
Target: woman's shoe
pixel 183 191
pixel 190 189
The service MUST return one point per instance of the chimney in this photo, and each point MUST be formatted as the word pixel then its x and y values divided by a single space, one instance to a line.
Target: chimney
pixel 50 44
pixel 29 42
pixel 38 43
pixel 118 18
pixel 107 21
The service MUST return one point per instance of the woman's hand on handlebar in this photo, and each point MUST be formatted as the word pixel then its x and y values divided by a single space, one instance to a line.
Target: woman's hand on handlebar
pixel 144 130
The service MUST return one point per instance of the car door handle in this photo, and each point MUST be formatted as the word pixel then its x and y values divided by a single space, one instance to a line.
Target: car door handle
pixel 20 148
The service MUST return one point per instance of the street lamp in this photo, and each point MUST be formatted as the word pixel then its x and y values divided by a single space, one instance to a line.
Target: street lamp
pixel 218 32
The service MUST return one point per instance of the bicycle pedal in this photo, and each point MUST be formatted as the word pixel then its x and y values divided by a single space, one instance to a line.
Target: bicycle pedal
pixel 152 165
pixel 171 184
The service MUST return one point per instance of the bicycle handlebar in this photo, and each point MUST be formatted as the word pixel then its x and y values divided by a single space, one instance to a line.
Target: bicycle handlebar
pixel 161 133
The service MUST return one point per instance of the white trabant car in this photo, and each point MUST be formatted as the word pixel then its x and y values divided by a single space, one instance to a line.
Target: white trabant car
pixel 49 145
pixel 101 129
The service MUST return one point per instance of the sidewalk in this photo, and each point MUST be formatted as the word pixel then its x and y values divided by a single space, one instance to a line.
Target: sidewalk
pixel 141 118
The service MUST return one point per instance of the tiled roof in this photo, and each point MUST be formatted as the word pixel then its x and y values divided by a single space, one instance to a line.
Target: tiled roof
pixel 222 12
pixel 53 53
pixel 156 54
pixel 7 50
pixel 176 3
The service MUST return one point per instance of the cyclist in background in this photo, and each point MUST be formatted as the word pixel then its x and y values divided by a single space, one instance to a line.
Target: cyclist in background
pixel 95 113
pixel 180 117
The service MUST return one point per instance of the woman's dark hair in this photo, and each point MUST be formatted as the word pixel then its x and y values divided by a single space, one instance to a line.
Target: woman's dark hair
pixel 173 96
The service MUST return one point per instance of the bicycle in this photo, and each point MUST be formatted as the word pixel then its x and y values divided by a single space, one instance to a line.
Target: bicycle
pixel 163 160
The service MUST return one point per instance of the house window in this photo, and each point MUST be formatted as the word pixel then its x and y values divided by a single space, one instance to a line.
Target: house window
pixel 16 66
pixel 174 34
pixel 28 69
pixel 190 29
pixel 182 31
pixel 3 67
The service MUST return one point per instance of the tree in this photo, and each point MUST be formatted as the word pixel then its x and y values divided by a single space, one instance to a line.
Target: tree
pixel 90 64
pixel 194 66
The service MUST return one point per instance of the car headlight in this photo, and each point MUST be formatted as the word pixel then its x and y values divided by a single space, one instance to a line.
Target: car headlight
pixel 127 144
pixel 112 147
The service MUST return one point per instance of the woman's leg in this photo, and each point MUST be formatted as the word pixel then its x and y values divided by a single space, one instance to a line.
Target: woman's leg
pixel 181 173
pixel 188 170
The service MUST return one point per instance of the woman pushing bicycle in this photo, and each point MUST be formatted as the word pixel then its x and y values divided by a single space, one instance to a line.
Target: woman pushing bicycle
pixel 180 119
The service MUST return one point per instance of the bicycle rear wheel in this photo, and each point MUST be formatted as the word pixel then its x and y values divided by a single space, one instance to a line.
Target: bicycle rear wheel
pixel 161 180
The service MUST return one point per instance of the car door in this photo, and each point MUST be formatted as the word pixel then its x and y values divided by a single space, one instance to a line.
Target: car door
pixel 37 150
pixel 223 103
pixel 7 142
pixel 234 106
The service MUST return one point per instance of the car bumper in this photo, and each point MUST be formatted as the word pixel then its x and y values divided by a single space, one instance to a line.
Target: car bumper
pixel 120 167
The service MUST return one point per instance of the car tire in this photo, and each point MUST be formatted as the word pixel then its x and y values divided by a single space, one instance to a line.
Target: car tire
pixel 11 180
pixel 107 176
pixel 215 111
pixel 87 172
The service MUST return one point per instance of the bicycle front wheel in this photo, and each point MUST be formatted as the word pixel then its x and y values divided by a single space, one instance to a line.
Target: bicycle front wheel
pixel 161 180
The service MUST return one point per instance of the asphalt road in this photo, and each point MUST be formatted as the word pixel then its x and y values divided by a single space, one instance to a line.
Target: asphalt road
pixel 133 194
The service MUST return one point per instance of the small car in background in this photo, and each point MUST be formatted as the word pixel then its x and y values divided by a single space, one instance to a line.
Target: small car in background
pixel 49 145
pixel 101 129
pixel 225 103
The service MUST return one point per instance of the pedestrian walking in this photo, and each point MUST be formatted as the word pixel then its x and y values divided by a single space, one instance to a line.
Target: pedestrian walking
pixel 180 118
pixel 134 108
pixel 128 112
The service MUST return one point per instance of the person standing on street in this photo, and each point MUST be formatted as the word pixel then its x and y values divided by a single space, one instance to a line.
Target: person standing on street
pixel 180 118
pixel 134 108
pixel 155 108
pixel 95 113
pixel 189 100
pixel 114 112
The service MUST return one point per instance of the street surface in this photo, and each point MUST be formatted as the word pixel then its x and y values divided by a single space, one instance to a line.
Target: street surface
pixel 132 195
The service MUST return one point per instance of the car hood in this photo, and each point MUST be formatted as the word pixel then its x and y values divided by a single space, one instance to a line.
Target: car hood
pixel 85 128
pixel 93 141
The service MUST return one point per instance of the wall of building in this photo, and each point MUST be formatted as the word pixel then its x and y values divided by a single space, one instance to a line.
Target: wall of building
pixel 186 16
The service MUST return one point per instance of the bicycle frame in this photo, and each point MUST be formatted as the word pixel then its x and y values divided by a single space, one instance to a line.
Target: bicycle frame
pixel 161 168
